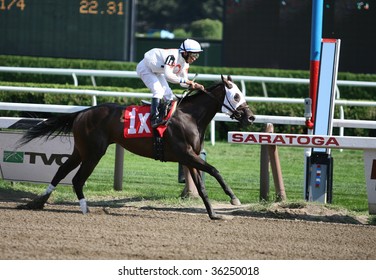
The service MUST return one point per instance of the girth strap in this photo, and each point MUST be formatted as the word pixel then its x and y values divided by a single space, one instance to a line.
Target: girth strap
pixel 158 146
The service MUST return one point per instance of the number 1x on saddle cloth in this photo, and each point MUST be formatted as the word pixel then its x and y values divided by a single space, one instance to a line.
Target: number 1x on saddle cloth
pixel 137 121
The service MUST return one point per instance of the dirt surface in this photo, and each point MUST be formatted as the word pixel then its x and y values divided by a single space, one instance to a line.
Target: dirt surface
pixel 150 232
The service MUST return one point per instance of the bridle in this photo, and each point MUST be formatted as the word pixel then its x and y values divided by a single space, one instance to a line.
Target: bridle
pixel 235 114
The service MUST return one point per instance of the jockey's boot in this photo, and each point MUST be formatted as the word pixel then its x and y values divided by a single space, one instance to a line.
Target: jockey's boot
pixel 155 116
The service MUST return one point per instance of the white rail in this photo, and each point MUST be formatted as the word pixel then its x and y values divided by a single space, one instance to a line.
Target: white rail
pixel 340 102
pixel 218 117
pixel 206 77
pixel 133 74
pixel 285 120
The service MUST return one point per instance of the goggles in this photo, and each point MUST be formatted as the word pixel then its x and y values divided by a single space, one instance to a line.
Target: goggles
pixel 194 55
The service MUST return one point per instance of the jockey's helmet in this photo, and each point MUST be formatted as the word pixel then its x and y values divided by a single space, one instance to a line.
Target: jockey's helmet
pixel 190 45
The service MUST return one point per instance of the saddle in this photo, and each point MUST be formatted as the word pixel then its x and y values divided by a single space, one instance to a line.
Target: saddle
pixel 163 108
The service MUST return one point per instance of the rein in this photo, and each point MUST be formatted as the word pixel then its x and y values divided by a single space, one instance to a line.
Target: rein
pixel 235 114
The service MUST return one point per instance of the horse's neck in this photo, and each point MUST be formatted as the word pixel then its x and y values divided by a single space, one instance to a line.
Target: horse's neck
pixel 203 108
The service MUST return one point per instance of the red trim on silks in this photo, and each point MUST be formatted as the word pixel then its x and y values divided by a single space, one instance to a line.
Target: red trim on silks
pixel 162 128
pixel 313 85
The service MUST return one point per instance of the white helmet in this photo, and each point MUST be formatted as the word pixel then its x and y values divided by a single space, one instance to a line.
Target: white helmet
pixel 190 45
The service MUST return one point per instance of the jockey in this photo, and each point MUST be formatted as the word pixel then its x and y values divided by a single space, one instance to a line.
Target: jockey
pixel 161 66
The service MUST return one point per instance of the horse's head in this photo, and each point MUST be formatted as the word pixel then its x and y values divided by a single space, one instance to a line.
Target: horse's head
pixel 235 104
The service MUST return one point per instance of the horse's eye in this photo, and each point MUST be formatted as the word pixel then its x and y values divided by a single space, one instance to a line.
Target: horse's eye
pixel 237 97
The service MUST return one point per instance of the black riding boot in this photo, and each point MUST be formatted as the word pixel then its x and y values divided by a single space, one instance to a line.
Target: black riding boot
pixel 155 116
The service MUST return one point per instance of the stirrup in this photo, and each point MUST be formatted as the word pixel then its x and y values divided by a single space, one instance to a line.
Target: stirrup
pixel 158 122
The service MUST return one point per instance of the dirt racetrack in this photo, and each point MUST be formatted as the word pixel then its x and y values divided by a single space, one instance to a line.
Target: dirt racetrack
pixel 144 232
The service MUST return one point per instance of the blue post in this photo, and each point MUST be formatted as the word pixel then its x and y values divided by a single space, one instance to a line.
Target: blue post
pixel 316 35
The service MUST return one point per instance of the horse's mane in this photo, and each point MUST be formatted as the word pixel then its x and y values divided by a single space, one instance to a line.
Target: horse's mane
pixel 194 93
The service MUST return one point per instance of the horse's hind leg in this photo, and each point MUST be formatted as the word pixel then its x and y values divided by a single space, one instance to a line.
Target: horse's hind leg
pixel 81 176
pixel 71 163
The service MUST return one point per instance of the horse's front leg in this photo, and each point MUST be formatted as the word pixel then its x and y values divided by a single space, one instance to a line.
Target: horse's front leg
pixel 215 173
pixel 196 177
pixel 206 167
pixel 198 163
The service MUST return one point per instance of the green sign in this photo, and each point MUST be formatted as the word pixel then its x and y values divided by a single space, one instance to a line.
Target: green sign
pixel 14 157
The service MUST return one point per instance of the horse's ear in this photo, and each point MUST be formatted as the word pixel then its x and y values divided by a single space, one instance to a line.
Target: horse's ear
pixel 225 81
pixel 229 78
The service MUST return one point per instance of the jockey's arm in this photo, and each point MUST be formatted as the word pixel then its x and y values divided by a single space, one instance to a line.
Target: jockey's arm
pixel 182 80
pixel 194 85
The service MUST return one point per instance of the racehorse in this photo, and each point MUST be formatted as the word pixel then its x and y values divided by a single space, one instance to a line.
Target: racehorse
pixel 95 128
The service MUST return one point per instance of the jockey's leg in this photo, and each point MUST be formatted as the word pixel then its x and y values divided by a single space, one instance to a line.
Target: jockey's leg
pixel 160 90
pixel 155 116
pixel 156 84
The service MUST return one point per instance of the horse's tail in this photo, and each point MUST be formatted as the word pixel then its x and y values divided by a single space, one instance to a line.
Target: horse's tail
pixel 50 128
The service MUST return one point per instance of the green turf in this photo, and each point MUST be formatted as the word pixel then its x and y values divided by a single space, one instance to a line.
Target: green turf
pixel 239 165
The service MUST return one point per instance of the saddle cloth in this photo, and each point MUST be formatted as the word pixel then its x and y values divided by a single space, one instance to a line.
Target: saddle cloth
pixel 137 121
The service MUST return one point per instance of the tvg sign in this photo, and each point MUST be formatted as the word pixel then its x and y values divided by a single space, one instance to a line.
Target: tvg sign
pixel 31 157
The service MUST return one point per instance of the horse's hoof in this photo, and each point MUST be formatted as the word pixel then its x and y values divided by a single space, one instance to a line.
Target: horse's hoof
pixel 23 207
pixel 36 204
pixel 216 217
pixel 235 201
pixel 32 205
pixel 83 206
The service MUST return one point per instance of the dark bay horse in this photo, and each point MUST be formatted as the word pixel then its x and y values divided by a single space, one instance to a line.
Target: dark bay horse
pixel 94 129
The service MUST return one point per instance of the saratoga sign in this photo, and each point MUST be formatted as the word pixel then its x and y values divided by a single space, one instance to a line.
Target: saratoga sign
pixel 298 140
pixel 368 144
pixel 301 140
